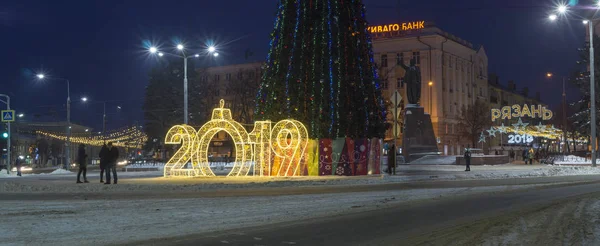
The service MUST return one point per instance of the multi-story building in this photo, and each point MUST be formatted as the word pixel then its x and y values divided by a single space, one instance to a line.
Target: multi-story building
pixel 237 86
pixel 453 71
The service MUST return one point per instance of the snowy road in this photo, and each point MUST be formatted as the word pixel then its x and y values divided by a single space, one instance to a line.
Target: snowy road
pixel 554 215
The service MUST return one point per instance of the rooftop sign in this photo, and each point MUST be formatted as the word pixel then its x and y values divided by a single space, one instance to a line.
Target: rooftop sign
pixel 405 26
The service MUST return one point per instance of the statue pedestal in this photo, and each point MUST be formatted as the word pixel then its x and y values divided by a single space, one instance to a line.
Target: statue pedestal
pixel 418 139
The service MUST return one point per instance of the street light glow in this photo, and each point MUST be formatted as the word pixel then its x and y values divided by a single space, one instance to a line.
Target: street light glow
pixel 197 55
pixel 216 54
pixel 430 83
pixel 211 49
pixel 585 22
pixel 153 49
pixel 562 9
pixel 21 115
pixel 160 54
pixel 549 75
pixel 552 17
pixel 180 47
pixel 41 76
pixel 84 99
pixel 118 107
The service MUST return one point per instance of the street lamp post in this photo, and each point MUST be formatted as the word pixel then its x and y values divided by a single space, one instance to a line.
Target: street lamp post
pixel 430 98
pixel 180 47
pixel 8 150
pixel 68 142
pixel 590 22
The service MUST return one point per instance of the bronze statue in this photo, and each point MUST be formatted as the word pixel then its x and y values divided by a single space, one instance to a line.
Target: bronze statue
pixel 412 78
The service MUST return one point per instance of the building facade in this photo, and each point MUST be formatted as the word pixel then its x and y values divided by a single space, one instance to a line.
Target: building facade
pixel 453 71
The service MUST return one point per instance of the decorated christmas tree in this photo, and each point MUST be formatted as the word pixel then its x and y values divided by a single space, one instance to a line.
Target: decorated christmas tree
pixel 320 70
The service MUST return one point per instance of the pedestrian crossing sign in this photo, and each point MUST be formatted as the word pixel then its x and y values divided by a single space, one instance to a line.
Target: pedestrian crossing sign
pixel 8 115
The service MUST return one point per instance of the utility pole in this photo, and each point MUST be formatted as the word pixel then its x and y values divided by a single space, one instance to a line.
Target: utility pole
pixel 8 148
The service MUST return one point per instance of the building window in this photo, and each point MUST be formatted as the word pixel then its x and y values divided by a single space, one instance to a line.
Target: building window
pixel 417 57
pixel 217 77
pixel 400 58
pixel 204 78
pixel 450 62
pixel 217 92
pixel 386 85
pixel 400 83
pixel 228 77
pixel 384 61
pixel 239 75
pixel 480 92
pixel 251 75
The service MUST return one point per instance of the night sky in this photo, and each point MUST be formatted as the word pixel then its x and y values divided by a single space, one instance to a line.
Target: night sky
pixel 99 45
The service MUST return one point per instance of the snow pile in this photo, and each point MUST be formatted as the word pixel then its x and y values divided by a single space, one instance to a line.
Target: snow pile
pixel 573 160
pixel 61 171
pixel 435 160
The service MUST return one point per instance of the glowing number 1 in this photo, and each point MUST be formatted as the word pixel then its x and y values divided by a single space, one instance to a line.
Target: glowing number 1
pixel 260 137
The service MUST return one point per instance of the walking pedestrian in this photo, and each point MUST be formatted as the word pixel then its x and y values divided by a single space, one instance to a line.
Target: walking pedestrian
pixel 112 163
pixel 82 161
pixel 104 158
pixel 468 159
pixel 18 165
pixel 392 160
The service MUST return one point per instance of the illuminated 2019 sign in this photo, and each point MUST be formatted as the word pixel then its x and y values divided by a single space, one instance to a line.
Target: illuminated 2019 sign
pixel 268 150
pixel 397 27
pixel 516 111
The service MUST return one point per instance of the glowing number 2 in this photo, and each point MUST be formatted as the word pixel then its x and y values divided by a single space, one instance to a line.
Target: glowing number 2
pixel 186 136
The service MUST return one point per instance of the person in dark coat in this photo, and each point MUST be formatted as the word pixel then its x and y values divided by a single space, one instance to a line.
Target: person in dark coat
pixel 104 158
pixel 468 159
pixel 82 161
pixel 392 160
pixel 112 163
pixel 18 165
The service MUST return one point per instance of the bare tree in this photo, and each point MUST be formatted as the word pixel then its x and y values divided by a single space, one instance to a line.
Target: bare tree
pixel 473 120
pixel 243 89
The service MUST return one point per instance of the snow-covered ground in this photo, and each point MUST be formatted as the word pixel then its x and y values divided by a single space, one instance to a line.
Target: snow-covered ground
pixel 64 181
pixel 100 222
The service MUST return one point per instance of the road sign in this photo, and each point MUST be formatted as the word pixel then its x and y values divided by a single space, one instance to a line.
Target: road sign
pixel 396 98
pixel 8 115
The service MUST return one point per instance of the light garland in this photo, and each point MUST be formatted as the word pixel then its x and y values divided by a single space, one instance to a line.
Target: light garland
pixel 132 137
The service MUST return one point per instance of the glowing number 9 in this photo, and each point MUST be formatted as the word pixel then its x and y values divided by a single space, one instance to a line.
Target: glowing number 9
pixel 186 136
pixel 289 139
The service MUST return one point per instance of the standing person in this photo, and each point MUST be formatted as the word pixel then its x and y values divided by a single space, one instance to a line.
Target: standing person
pixel 104 158
pixel 392 160
pixel 512 154
pixel 530 156
pixel 525 155
pixel 468 159
pixel 82 161
pixel 18 165
pixel 112 163
pixel 496 153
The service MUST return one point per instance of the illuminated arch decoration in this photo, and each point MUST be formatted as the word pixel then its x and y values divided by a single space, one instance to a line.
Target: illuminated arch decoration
pixel 269 150
pixel 186 136
pixel 222 121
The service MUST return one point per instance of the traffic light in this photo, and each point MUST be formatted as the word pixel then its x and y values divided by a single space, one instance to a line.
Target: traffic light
pixel 5 135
